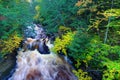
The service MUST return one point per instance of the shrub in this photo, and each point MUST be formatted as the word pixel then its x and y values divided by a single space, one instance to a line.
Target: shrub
pixel 61 44
pixel 82 75
pixel 10 44
pixel 78 46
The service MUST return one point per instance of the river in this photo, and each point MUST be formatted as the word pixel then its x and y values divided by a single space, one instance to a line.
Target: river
pixel 36 61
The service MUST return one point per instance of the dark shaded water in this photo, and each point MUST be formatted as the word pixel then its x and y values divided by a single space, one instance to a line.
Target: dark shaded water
pixel 7 66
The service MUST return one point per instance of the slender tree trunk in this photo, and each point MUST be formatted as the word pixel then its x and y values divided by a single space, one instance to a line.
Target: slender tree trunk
pixel 107 29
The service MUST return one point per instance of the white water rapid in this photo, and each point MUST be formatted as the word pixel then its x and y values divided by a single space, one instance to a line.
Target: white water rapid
pixel 32 65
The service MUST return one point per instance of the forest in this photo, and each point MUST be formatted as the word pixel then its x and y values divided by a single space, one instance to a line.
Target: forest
pixel 86 31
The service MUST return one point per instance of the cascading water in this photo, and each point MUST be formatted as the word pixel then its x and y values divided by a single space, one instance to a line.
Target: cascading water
pixel 33 65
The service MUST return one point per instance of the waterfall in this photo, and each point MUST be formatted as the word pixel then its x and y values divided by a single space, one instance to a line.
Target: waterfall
pixel 33 65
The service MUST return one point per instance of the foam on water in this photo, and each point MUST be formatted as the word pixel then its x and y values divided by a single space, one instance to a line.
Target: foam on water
pixel 32 65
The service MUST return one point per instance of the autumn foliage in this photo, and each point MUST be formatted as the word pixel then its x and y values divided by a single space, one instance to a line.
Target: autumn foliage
pixel 10 44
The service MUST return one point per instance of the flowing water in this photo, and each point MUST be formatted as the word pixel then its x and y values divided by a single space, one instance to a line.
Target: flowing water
pixel 32 64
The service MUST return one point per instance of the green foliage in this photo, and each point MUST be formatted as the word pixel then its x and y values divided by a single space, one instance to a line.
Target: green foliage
pixel 114 24
pixel 82 75
pixel 104 55
pixel 16 14
pixel 93 53
pixel 78 46
pixel 111 75
pixel 87 47
pixel 83 47
pixel 106 23
pixel 62 12
pixel 104 51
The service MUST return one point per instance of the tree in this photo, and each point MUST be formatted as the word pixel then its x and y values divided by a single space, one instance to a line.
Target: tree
pixel 16 14
pixel 59 13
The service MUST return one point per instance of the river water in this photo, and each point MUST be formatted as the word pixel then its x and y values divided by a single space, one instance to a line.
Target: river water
pixel 33 64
